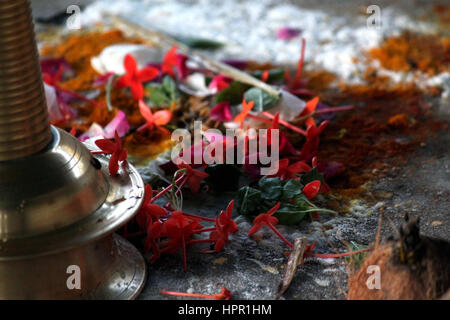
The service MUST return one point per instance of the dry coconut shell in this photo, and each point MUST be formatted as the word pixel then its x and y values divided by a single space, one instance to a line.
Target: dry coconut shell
pixel 412 267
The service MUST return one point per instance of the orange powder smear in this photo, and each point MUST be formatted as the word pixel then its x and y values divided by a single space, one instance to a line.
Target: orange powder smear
pixel 411 51
pixel 78 49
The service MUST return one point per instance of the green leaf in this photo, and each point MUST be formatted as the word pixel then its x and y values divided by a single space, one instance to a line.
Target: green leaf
pixel 358 258
pixel 223 177
pixel 233 93
pixel 163 94
pixel 268 191
pixel 288 214
pixel 302 203
pixel 109 87
pixel 170 87
pixel 200 43
pixel 249 200
pixel 157 96
pixel 311 176
pixel 271 188
pixel 263 101
pixel 291 188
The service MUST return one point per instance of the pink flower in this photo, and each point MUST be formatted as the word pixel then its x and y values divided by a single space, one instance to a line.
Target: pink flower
pixel 221 112
pixel 287 33
pixel 119 124
pixel 182 69
pixel 220 82
pixel 157 119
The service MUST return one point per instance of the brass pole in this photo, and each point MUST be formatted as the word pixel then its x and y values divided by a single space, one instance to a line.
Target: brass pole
pixel 59 207
pixel 24 124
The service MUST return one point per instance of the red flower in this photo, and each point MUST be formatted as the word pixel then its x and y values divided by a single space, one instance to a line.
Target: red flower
pixel 285 146
pixel 170 61
pixel 133 78
pixel 193 176
pixel 270 221
pixel 311 189
pixel 116 151
pixel 154 230
pixel 246 108
pixel 286 171
pixel 264 219
pixel 311 146
pixel 157 119
pixel 224 226
pixel 179 229
pixel 149 211
pixel 310 108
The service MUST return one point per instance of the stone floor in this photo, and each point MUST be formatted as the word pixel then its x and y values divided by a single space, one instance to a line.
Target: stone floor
pixel 252 270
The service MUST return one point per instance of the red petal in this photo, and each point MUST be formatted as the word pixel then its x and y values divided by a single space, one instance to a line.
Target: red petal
pixel 106 145
pixel 311 189
pixel 147 74
pixel 117 140
pixel 275 208
pixel 130 64
pixel 283 163
pixel 322 126
pixel 146 112
pixel 272 220
pixel 275 121
pixel 148 194
pixel 113 164
pixel 200 174
pixel 311 106
pixel 171 57
pixel 265 76
pixel 123 155
pixel 124 81
pixel 230 209
pixel 194 184
pixel 156 211
pixel 162 117
pixel 254 229
pixel 299 166
pixel 246 108
pixel 137 90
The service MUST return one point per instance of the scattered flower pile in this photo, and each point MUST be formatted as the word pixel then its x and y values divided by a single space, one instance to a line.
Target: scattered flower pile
pixel 135 113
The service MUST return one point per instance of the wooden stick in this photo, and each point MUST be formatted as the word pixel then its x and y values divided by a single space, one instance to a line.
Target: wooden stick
pixel 167 42
pixel 295 259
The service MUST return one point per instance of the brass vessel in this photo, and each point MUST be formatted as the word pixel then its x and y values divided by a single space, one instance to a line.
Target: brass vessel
pixel 59 206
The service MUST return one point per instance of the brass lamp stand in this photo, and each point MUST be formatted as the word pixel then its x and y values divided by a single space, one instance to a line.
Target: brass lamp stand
pixel 58 208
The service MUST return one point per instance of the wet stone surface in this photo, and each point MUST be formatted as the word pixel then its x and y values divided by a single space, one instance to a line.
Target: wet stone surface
pixel 253 268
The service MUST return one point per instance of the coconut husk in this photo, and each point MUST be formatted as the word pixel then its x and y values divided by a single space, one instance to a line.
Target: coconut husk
pixel 411 267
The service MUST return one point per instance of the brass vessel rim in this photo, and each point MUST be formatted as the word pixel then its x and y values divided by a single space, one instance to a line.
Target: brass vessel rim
pixel 110 216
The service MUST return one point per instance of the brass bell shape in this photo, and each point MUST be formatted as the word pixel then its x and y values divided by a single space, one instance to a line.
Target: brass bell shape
pixel 59 206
